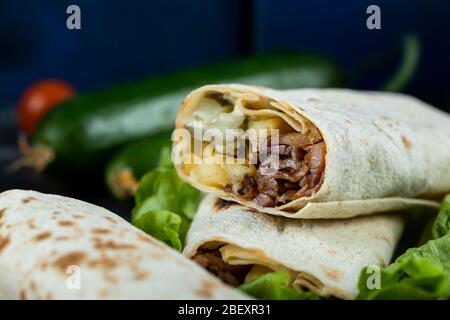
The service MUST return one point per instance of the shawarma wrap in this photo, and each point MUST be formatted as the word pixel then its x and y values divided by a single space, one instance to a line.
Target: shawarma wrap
pixel 323 256
pixel 342 153
pixel 52 247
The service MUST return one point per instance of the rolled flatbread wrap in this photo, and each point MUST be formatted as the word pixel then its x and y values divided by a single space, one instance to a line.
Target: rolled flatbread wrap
pixel 313 153
pixel 53 247
pixel 322 256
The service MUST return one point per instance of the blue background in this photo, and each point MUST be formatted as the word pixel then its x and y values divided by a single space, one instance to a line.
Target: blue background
pixel 127 40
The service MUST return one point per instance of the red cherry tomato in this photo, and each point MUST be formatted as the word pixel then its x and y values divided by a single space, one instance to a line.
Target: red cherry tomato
pixel 38 99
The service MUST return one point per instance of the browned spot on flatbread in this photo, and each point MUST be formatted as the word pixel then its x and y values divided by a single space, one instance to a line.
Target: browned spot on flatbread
pixel 4 241
pixel 158 255
pixel 331 251
pixel 31 224
pixel 388 121
pixel 382 238
pixel 78 216
pixel 331 273
pixel 62 238
pixel 100 231
pixel 406 142
pixel 49 296
pixel 103 293
pixel 138 273
pixel 44 265
pixel 144 238
pixel 150 240
pixel 66 223
pixel 69 259
pixel 110 278
pixel 23 295
pixel 2 212
pixel 42 236
pixel 221 204
pixel 206 289
pixel 28 199
pixel 141 275
pixel 111 219
pixel 33 286
pixel 348 120
pixel 110 244
pixel 103 263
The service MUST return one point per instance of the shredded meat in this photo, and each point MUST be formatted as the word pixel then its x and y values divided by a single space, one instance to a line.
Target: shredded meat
pixel 292 169
pixel 212 261
pixel 317 162
pixel 265 200
pixel 249 188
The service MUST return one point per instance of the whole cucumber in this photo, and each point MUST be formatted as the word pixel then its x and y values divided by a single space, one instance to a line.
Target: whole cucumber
pixel 82 132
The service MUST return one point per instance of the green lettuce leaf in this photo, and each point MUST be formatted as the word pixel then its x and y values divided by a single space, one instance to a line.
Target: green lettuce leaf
pixel 420 273
pixel 163 225
pixel 165 160
pixel 441 225
pixel 414 275
pixel 272 286
pixel 188 200
pixel 165 205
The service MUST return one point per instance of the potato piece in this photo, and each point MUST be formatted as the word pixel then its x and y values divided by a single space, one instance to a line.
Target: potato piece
pixel 211 170
pixel 215 172
pixel 270 124
pixel 211 174
pixel 236 172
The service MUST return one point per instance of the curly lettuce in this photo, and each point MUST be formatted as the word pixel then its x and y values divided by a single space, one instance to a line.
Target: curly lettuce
pixel 420 273
pixel 273 286
pixel 165 205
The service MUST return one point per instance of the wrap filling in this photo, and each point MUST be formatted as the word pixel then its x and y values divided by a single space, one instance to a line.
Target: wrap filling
pixel 253 150
pixel 223 261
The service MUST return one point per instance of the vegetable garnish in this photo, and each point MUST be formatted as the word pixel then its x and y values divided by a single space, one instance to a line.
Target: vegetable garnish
pixel 38 99
pixel 165 205
pixel 273 286
pixel 420 273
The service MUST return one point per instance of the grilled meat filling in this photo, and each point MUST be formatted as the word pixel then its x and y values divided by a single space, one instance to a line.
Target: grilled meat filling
pixel 292 169
pixel 211 260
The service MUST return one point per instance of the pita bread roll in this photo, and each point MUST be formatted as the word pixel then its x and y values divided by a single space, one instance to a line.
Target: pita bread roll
pixel 341 153
pixel 322 256
pixel 53 247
